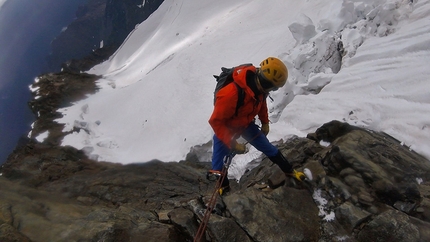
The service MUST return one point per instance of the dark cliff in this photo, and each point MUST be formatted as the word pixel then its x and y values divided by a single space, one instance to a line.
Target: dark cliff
pixel 99 21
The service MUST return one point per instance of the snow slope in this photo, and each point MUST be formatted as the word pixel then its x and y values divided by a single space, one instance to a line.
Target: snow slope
pixel 157 89
pixel 2 2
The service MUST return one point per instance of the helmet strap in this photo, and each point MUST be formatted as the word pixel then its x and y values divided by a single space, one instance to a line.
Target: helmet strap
pixel 260 88
pixel 260 78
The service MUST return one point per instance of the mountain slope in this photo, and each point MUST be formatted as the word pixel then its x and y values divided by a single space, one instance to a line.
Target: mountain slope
pixel 363 62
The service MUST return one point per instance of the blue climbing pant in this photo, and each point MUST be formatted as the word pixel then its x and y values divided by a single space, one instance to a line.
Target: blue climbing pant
pixel 253 135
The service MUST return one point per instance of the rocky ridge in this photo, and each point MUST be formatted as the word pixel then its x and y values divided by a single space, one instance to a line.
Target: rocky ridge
pixel 365 186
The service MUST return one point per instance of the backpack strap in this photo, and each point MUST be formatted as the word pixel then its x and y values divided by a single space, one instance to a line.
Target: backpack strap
pixel 226 77
pixel 240 98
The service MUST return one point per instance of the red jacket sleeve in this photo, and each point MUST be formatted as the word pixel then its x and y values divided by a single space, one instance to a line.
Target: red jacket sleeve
pixel 224 110
pixel 263 114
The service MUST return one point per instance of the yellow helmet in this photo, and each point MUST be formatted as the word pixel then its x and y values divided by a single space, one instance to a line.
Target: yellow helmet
pixel 273 71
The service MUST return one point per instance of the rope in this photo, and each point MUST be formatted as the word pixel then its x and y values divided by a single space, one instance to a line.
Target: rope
pixel 212 201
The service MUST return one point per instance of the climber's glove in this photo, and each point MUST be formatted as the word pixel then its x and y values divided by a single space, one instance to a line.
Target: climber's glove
pixel 239 148
pixel 265 129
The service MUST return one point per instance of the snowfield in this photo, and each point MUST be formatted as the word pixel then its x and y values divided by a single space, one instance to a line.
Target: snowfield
pixel 363 62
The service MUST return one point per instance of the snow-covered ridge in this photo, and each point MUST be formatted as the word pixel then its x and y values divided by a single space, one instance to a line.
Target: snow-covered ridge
pixel 363 62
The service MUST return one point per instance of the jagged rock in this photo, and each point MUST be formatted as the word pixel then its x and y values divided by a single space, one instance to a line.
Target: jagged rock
pixel 365 187
pixel 184 220
pixel 341 188
pixel 9 234
pixel 288 211
pixel 391 225
pixel 226 229
pixel 404 206
pixel 163 216
pixel 350 216
pixel 423 210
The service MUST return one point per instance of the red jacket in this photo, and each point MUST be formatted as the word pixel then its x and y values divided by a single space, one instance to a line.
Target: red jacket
pixel 223 120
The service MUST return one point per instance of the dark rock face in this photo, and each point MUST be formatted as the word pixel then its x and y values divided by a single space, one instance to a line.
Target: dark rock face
pixel 121 17
pixel 374 184
pixel 109 21
pixel 365 187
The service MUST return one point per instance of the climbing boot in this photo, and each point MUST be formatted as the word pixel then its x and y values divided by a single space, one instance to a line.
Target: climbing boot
pixel 225 186
pixel 298 175
pixel 286 167
pixel 282 162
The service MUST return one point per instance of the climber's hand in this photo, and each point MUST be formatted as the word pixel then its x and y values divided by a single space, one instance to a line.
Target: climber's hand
pixel 239 148
pixel 265 129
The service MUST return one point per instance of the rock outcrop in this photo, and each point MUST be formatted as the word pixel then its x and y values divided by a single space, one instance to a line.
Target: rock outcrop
pixel 363 186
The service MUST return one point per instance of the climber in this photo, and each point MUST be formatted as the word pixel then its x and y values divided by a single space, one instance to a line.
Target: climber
pixel 229 121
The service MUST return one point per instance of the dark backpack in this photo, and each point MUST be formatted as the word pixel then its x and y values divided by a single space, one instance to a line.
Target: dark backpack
pixel 226 77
